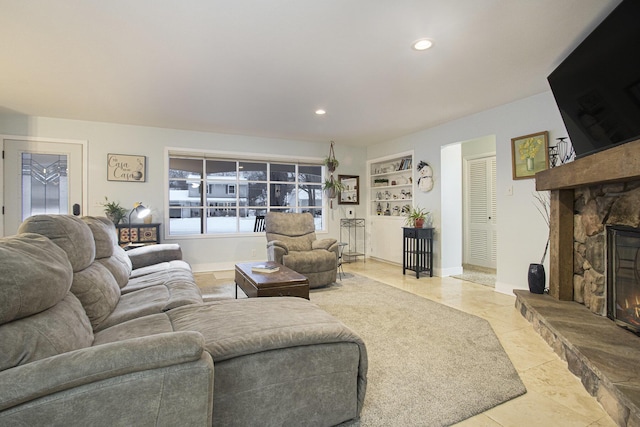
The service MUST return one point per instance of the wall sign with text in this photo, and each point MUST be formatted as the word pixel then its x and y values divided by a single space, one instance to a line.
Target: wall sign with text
pixel 122 167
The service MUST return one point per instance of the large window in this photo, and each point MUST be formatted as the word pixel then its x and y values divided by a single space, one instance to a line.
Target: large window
pixel 220 196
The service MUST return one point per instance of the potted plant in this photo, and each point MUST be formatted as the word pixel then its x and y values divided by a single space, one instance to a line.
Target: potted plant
pixel 416 216
pixel 330 161
pixel 114 211
pixel 332 187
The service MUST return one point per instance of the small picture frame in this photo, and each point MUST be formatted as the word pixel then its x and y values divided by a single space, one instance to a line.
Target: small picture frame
pixel 529 155
pixel 124 167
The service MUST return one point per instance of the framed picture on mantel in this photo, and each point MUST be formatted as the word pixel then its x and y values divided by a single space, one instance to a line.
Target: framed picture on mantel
pixel 529 154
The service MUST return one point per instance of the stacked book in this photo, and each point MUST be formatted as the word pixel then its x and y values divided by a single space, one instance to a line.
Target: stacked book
pixel 264 268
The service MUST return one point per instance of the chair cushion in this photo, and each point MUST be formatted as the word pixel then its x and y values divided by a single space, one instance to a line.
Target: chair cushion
pixel 296 230
pixel 310 261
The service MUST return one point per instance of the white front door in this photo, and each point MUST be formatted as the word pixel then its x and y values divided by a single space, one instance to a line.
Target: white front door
pixel 40 177
pixel 481 220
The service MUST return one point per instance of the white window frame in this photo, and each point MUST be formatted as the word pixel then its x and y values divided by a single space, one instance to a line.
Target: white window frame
pixel 242 157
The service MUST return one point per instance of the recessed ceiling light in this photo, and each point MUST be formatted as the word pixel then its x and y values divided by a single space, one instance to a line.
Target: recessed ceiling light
pixel 320 112
pixel 422 44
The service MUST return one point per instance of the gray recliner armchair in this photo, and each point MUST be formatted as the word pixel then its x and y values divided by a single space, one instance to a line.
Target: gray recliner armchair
pixel 292 242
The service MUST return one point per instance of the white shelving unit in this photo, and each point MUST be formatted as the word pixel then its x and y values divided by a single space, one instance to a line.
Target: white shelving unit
pixel 391 187
pixel 391 183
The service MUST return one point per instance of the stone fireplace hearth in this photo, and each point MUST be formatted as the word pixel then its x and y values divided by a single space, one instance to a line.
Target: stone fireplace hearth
pixel 588 195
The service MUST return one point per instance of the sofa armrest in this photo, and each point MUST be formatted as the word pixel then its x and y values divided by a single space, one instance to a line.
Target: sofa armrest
pixel 324 244
pixel 90 365
pixel 154 254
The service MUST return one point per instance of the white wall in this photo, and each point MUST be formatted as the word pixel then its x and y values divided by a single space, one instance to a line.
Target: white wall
pixel 522 232
pixel 451 208
pixel 203 252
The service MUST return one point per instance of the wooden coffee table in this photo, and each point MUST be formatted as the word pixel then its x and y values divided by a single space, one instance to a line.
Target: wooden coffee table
pixel 283 283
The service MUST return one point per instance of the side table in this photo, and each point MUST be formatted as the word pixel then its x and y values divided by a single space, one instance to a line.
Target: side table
pixel 142 234
pixel 417 250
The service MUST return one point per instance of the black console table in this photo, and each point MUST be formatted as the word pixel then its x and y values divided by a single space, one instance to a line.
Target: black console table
pixel 417 250
pixel 141 234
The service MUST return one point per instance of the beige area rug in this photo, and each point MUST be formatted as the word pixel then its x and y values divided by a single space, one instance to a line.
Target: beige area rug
pixel 429 364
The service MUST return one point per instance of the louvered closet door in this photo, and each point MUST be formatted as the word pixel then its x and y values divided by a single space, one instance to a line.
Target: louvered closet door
pixel 481 220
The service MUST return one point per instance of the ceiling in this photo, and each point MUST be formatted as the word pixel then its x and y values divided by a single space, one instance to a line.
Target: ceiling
pixel 261 68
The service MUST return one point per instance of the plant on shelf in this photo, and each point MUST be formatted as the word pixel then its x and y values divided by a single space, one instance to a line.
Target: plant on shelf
pixel 114 211
pixel 415 216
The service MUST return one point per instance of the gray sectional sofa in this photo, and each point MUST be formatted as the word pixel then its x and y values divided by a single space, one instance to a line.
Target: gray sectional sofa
pixel 86 339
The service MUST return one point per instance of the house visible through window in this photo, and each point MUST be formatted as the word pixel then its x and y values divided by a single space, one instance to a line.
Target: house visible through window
pixel 220 196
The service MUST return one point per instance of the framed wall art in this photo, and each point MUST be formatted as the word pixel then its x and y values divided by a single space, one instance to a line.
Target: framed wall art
pixel 123 167
pixel 529 154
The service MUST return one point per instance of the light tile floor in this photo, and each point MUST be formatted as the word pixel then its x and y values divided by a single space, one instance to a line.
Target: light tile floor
pixel 554 397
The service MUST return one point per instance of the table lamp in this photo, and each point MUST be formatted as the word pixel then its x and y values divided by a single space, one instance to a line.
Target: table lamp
pixel 141 212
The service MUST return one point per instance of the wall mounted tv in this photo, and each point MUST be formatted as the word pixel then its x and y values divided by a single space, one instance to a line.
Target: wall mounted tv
pixel 597 87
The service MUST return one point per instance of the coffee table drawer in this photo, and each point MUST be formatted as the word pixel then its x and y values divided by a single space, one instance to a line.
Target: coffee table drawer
pixel 301 291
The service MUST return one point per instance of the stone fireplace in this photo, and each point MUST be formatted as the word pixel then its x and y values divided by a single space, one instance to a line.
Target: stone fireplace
pixel 623 276
pixel 587 195
pixel 595 202
pixel 601 212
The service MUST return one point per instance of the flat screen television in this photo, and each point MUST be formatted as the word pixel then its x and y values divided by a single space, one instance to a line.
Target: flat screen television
pixel 597 87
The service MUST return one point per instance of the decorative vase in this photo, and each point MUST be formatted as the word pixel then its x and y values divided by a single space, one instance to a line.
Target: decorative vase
pixel 418 223
pixel 536 278
pixel 530 163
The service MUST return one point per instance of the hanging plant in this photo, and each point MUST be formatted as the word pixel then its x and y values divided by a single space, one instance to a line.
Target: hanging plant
pixel 332 187
pixel 330 161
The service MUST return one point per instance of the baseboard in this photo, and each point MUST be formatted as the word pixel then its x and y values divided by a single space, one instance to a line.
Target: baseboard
pixel 506 288
pixel 445 272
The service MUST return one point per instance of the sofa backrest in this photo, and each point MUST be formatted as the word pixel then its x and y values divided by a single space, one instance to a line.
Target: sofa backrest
pixel 108 253
pixel 39 317
pixel 296 230
pixel 93 284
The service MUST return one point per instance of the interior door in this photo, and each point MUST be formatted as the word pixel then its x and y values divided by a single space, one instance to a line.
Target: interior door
pixel 40 177
pixel 481 219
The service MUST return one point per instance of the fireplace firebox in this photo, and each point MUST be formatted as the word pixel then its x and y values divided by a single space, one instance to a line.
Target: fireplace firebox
pixel 623 276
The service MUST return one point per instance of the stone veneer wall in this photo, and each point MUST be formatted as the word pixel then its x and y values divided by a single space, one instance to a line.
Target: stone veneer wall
pixel 594 208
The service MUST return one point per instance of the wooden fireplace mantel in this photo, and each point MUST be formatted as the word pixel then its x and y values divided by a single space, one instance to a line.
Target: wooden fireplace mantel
pixel 617 164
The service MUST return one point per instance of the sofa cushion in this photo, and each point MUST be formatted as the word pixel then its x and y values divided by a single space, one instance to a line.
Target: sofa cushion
pixel 159 268
pixel 98 291
pixel 108 253
pixel 104 238
pixel 35 275
pixel 63 327
pixel 68 232
pixel 134 328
